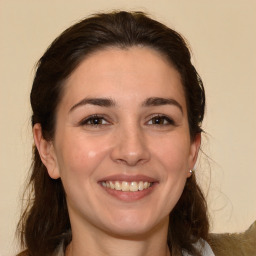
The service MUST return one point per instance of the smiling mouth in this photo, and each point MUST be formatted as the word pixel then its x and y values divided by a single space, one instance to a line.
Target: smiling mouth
pixel 127 186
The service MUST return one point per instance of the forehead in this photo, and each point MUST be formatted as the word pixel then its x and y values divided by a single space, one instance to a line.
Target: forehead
pixel 136 72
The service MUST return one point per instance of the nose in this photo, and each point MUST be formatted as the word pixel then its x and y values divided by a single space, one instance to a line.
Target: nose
pixel 130 147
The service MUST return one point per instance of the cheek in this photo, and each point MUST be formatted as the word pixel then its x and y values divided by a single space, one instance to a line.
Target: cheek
pixel 173 153
pixel 79 161
pixel 79 156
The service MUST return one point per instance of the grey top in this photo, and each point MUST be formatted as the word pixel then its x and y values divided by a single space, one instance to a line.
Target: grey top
pixel 204 248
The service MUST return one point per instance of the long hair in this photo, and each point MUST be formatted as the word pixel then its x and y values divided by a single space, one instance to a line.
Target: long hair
pixel 45 217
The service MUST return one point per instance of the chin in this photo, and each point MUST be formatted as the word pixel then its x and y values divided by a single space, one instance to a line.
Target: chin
pixel 129 232
pixel 134 227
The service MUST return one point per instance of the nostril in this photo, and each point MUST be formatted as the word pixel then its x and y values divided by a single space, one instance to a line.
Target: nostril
pixel 131 162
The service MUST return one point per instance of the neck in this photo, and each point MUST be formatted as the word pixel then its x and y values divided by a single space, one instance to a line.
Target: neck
pixel 102 243
pixel 120 249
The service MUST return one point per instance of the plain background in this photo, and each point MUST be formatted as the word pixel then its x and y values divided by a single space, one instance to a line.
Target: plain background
pixel 222 37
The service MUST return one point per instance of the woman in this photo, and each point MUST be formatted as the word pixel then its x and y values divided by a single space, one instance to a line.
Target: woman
pixel 117 112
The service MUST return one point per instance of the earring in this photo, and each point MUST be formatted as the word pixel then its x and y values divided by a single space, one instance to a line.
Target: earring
pixel 190 171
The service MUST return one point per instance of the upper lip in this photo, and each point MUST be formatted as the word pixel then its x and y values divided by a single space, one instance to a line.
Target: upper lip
pixel 129 178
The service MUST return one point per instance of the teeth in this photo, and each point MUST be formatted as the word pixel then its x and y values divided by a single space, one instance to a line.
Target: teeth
pixel 141 185
pixel 127 186
pixel 146 185
pixel 118 186
pixel 112 185
pixel 134 186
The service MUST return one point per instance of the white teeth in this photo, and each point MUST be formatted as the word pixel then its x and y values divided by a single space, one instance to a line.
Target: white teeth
pixel 141 185
pixel 126 186
pixel 146 185
pixel 134 186
pixel 112 185
pixel 118 186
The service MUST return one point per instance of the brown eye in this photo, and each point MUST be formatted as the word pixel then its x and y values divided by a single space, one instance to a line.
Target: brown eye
pixel 160 120
pixel 94 121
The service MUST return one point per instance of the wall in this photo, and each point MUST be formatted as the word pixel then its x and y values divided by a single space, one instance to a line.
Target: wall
pixel 222 37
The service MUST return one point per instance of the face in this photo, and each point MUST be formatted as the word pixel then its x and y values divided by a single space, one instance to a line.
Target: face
pixel 122 146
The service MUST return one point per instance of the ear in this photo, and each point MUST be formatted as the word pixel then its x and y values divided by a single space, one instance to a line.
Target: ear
pixel 194 149
pixel 46 152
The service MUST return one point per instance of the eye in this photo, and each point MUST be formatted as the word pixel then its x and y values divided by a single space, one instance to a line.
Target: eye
pixel 160 120
pixel 94 120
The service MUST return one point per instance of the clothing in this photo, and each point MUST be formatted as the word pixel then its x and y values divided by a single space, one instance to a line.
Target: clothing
pixel 201 244
pixel 204 247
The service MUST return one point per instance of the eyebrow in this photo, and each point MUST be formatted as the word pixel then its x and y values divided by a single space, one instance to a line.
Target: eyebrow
pixel 158 101
pixel 106 102
pixel 102 102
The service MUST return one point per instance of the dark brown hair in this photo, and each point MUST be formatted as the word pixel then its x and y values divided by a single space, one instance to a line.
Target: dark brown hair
pixel 45 218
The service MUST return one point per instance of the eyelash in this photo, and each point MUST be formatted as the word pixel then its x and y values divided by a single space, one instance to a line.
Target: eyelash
pixel 93 118
pixel 162 118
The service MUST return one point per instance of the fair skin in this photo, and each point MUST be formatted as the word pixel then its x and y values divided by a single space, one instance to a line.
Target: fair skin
pixel 121 124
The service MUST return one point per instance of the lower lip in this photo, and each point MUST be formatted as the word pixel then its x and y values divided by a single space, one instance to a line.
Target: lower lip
pixel 129 196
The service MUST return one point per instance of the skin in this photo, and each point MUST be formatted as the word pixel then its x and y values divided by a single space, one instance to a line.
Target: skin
pixel 130 140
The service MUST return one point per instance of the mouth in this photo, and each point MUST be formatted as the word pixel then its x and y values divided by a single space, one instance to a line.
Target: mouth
pixel 126 186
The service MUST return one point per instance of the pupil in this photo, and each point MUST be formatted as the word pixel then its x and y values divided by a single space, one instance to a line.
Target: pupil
pixel 96 121
pixel 158 120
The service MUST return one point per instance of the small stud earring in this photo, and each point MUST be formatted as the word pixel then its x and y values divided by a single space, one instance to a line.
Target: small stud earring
pixel 190 171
